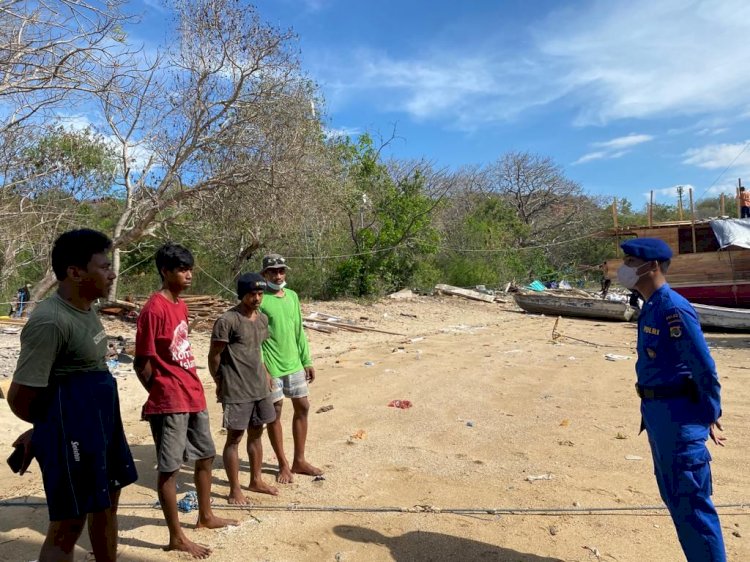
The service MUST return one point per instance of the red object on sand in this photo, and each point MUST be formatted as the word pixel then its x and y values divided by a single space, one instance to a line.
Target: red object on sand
pixel 402 404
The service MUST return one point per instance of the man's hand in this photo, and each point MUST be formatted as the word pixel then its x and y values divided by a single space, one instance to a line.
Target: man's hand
pixel 715 437
pixel 310 374
pixel 25 440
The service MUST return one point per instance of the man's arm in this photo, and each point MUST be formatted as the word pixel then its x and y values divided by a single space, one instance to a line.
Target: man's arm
pixel 214 362
pixel 214 357
pixel 690 345
pixel 304 348
pixel 24 400
pixel 142 366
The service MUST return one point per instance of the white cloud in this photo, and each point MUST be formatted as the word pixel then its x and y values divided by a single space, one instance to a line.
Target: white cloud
pixel 671 194
pixel 719 156
pixel 605 60
pixel 591 156
pixel 615 148
pixel 139 153
pixel 642 58
pixel 342 132
pixel 624 142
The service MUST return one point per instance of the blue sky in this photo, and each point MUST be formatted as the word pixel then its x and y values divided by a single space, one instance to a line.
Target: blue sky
pixel 627 96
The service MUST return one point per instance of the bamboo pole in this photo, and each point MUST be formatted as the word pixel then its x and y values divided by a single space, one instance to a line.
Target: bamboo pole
pixel 651 210
pixel 692 218
pixel 614 220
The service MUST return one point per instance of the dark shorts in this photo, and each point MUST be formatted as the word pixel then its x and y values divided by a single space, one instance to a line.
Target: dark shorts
pixel 181 438
pixel 80 445
pixel 241 416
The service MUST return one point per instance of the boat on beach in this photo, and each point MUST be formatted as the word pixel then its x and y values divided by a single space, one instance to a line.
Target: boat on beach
pixel 711 261
pixel 723 318
pixel 575 305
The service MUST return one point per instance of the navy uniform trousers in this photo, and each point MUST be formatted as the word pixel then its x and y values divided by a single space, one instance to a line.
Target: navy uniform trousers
pixel 683 474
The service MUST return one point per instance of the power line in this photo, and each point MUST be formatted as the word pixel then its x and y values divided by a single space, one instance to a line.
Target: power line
pixel 744 148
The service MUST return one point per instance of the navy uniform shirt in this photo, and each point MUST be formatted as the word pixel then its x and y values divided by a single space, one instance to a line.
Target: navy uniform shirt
pixel 671 348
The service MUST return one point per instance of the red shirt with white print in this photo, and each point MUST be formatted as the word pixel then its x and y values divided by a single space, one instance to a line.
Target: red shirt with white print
pixel 162 336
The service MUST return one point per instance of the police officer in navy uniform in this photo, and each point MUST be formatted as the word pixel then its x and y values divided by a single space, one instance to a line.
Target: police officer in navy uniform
pixel 680 401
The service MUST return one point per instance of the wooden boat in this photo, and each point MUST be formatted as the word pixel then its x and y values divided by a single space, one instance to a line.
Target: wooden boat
pixel 723 318
pixel 576 306
pixel 703 270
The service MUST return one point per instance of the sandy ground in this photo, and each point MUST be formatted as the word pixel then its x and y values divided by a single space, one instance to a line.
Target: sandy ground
pixel 495 401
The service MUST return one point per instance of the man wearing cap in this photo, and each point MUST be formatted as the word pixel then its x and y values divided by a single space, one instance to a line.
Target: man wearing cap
pixel 243 386
pixel 680 398
pixel 287 358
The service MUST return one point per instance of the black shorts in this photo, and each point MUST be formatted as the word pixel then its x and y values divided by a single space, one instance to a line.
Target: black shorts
pixel 80 445
pixel 245 415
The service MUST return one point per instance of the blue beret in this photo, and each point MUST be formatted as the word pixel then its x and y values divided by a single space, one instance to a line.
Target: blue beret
pixel 649 249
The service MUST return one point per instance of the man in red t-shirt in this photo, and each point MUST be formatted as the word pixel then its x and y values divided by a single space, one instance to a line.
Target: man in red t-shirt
pixel 176 405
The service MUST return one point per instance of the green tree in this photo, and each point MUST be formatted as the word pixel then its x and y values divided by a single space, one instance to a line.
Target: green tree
pixel 390 224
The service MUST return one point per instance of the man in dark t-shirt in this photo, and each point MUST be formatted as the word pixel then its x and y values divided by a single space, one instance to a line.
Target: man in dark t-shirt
pixel 62 386
pixel 243 385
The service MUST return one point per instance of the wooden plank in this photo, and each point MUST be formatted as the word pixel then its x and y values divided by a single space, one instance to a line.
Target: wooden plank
pixel 466 293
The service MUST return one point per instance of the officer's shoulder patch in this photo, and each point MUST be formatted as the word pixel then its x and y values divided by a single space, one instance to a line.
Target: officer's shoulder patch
pixel 673 317
pixel 675 331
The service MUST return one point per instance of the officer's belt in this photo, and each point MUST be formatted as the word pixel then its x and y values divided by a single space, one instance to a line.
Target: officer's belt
pixel 683 390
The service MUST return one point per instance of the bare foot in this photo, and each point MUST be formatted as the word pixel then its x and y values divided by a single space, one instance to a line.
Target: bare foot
pixel 263 488
pixel 193 549
pixel 284 476
pixel 236 497
pixel 305 467
pixel 214 522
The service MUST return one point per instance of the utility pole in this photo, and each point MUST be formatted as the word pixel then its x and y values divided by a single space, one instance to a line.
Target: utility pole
pixel 680 190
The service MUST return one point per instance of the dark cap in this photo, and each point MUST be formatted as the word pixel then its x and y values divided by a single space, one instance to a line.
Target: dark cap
pixel 647 249
pixel 274 261
pixel 249 282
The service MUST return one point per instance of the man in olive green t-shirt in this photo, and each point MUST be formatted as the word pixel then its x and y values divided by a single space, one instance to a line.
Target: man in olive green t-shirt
pixel 287 357
pixel 62 386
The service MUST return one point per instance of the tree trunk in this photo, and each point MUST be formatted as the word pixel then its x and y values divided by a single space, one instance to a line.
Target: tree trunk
pixel 116 268
pixel 40 290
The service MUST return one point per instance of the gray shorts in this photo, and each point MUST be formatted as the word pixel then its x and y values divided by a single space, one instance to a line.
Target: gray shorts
pixel 244 415
pixel 293 385
pixel 181 438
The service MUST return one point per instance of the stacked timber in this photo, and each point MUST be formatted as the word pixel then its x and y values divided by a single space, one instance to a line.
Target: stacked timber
pixel 203 310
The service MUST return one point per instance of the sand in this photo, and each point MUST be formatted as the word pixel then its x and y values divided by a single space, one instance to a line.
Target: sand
pixel 496 403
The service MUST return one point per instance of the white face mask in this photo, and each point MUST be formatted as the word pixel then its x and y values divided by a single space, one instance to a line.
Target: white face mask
pixel 628 276
pixel 275 287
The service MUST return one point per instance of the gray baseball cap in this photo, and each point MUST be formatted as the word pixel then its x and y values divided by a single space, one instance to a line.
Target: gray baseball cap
pixel 274 261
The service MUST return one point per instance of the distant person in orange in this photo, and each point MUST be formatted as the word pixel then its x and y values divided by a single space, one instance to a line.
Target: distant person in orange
pixel 744 198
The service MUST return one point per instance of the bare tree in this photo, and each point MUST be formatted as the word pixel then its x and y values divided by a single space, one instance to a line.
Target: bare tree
pixel 51 50
pixel 53 53
pixel 188 124
pixel 540 193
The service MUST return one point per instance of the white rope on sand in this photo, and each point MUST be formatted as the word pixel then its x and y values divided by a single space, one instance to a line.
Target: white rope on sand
pixel 415 509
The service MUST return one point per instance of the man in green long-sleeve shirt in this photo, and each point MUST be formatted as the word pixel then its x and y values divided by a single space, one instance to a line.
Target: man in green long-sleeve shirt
pixel 287 358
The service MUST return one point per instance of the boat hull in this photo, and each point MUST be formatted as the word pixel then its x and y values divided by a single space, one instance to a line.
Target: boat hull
pixel 579 307
pixel 728 295
pixel 723 318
